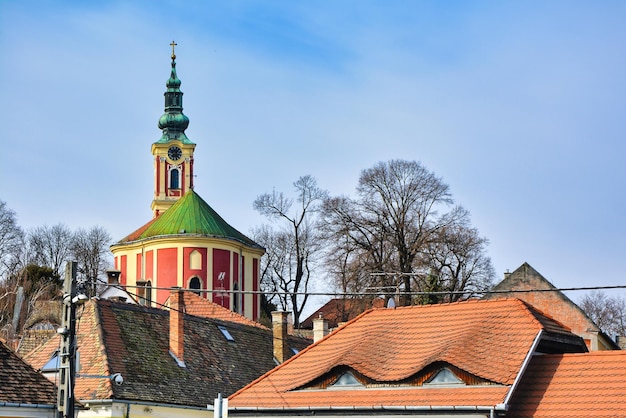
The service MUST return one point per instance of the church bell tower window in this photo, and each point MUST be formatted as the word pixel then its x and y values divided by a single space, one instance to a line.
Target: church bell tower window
pixel 174 178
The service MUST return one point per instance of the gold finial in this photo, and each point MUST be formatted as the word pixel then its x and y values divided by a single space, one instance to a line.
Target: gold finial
pixel 173 44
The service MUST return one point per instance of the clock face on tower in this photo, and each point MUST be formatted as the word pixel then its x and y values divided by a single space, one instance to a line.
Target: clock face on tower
pixel 174 153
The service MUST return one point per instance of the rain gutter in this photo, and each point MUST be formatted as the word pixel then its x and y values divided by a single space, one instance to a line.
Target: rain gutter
pixel 27 405
pixel 146 403
pixel 420 408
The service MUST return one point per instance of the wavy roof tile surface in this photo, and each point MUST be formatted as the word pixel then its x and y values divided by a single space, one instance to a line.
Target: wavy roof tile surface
pixel 488 339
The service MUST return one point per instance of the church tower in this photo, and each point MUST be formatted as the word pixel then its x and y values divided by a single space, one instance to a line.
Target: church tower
pixel 173 152
pixel 186 244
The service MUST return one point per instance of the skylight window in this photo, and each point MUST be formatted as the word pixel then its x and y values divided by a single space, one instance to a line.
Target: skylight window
pixel 346 380
pixel 445 377
pixel 53 364
pixel 225 333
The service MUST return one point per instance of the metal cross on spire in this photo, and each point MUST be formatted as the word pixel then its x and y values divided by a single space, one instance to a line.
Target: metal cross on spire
pixel 173 44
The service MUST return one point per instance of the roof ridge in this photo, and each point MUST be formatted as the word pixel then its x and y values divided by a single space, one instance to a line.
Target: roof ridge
pixel 534 311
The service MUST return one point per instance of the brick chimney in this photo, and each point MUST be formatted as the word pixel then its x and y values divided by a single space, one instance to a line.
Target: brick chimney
pixel 177 324
pixel 320 328
pixel 279 331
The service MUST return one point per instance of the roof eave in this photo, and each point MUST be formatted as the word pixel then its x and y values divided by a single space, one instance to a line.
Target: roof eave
pixel 403 408
pixel 178 236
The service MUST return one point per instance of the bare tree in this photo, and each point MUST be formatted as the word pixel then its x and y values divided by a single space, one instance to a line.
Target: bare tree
pixel 607 312
pixel 50 246
pixel 292 247
pixel 11 242
pixel 90 249
pixel 456 257
pixel 401 210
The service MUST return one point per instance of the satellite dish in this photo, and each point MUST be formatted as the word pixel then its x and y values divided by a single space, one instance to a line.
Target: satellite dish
pixel 391 303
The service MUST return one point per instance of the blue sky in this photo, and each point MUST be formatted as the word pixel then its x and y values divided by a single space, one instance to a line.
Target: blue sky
pixel 518 106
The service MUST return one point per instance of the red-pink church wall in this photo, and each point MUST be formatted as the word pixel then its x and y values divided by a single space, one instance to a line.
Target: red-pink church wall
pixel 221 277
pixel 122 267
pixel 149 265
pixel 167 266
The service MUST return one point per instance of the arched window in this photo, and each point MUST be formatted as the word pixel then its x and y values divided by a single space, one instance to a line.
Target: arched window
pixel 194 284
pixel 174 179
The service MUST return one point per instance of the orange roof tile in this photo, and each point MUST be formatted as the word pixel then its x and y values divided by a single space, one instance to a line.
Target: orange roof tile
pixel 487 339
pixel 573 385
pixel 198 306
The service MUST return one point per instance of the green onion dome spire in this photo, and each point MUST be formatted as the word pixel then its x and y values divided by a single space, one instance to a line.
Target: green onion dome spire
pixel 173 122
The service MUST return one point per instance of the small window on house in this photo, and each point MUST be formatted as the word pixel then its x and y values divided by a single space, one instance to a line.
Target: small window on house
pixel 346 380
pixel 444 377
pixel 294 350
pixel 225 333
pixel 53 364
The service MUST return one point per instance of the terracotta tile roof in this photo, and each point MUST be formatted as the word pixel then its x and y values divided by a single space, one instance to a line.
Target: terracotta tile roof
pixel 134 340
pixel 486 339
pixel 573 385
pixel 21 384
pixel 336 311
pixel 198 306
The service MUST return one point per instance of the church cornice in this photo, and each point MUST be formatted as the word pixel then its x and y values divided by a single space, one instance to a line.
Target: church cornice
pixel 187 240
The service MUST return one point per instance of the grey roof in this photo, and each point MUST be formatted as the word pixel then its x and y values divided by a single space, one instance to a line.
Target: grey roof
pixel 21 384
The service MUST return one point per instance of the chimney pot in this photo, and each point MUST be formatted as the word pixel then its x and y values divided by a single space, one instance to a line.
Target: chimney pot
pixel 320 328
pixel 113 277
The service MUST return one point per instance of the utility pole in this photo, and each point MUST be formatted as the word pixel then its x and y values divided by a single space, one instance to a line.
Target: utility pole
pixel 67 353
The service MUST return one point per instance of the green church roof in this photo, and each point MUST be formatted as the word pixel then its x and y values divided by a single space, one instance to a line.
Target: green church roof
pixel 191 215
